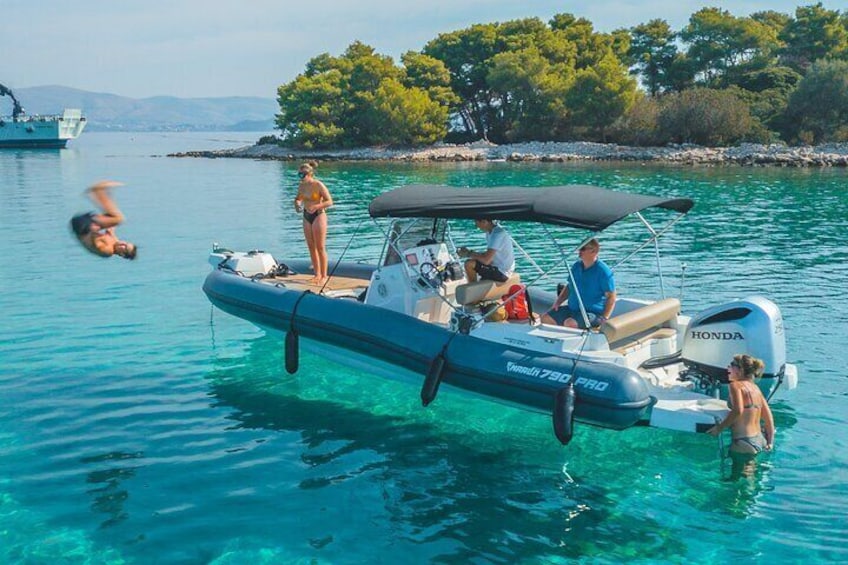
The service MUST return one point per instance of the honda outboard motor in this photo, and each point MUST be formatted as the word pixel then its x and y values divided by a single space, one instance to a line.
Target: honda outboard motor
pixel 751 326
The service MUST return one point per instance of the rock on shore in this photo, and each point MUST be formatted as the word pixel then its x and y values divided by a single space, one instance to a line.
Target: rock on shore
pixel 748 154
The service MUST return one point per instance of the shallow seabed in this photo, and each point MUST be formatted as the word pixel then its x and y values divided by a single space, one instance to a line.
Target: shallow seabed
pixel 139 426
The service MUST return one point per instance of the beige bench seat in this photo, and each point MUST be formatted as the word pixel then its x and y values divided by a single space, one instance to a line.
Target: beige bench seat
pixel 470 293
pixel 651 321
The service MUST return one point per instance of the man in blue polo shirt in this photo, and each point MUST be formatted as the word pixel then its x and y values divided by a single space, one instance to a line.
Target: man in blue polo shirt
pixel 596 286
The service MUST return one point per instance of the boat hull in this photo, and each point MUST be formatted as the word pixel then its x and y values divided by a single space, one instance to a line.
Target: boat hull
pixel 33 143
pixel 41 132
pixel 607 395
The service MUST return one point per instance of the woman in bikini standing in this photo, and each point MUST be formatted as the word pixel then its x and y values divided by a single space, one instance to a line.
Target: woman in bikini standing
pixel 312 199
pixel 748 407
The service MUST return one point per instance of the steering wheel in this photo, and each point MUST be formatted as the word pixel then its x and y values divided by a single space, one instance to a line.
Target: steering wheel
pixel 429 273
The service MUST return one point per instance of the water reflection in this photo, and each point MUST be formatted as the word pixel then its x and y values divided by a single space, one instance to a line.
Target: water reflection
pixel 109 494
pixel 461 487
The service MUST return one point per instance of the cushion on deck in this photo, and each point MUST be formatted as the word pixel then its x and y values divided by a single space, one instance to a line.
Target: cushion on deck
pixel 641 319
pixel 484 290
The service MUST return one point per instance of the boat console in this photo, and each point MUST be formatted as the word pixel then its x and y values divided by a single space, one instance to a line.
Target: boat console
pixel 421 285
pixel 431 263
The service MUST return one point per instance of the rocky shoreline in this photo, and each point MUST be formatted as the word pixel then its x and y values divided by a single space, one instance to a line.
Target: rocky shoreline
pixel 748 154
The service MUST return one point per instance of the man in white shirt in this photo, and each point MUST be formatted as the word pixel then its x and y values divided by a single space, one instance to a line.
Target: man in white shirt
pixel 498 261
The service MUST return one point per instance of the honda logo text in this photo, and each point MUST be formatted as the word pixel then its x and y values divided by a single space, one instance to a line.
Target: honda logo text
pixel 721 336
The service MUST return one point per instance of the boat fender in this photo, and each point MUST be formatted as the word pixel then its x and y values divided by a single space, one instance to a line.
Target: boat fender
pixel 292 352
pixel 292 348
pixel 564 414
pixel 433 378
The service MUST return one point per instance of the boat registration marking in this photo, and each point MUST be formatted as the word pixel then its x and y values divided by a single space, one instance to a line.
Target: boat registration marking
pixel 547 374
pixel 558 376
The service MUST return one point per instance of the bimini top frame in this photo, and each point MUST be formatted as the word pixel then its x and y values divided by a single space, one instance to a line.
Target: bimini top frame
pixel 576 206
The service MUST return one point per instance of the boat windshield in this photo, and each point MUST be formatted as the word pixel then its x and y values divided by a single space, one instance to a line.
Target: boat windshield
pixel 405 234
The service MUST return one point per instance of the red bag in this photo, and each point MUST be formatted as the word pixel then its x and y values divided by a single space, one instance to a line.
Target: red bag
pixel 517 307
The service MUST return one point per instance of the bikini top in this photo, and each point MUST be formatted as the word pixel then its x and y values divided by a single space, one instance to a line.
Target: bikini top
pixel 748 399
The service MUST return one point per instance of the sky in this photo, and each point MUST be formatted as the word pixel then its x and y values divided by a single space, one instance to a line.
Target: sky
pixel 208 48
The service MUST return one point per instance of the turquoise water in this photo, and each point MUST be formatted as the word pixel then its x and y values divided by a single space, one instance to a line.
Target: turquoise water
pixel 139 426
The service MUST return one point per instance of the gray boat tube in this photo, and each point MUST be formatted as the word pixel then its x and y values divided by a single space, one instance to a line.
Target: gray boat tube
pixel 606 395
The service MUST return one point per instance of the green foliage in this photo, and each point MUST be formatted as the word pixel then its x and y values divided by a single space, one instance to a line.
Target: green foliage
pixel 431 75
pixel 814 34
pixel 719 41
pixel 319 134
pixel 268 140
pixel 591 46
pixel 702 116
pixel 526 79
pixel 363 98
pixel 766 92
pixel 639 126
pixel 766 108
pixel 620 42
pixel 771 19
pixel 528 87
pixel 680 74
pixel 398 115
pixel 464 53
pixel 600 95
pixel 783 79
pixel 818 109
pixel 312 109
pixel 513 78
pixel 653 51
pixel 705 116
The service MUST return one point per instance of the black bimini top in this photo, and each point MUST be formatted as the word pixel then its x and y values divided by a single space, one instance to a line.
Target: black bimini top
pixel 578 206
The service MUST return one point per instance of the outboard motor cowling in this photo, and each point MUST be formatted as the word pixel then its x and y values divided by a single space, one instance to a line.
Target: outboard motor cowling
pixel 751 326
pixel 249 264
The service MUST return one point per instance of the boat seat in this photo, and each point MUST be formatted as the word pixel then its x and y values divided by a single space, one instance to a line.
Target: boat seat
pixel 630 344
pixel 644 320
pixel 470 293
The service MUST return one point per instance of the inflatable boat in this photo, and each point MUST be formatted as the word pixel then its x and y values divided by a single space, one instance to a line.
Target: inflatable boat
pixel 413 315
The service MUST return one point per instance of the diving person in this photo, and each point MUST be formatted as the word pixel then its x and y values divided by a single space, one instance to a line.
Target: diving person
pixel 312 200
pixel 96 231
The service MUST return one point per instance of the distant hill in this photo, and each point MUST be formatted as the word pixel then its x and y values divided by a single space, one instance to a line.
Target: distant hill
pixel 106 112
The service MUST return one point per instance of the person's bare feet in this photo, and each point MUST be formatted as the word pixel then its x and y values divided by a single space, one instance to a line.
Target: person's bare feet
pixel 103 185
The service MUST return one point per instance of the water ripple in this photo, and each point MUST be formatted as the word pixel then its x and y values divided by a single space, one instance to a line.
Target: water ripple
pixel 138 425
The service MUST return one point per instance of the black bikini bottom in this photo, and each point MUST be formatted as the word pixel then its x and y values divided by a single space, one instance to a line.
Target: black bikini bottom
pixel 312 216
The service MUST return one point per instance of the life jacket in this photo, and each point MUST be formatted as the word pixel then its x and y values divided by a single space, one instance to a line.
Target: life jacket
pixel 517 307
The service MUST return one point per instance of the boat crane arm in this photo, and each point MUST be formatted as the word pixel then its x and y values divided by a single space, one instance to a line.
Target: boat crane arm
pixel 17 109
